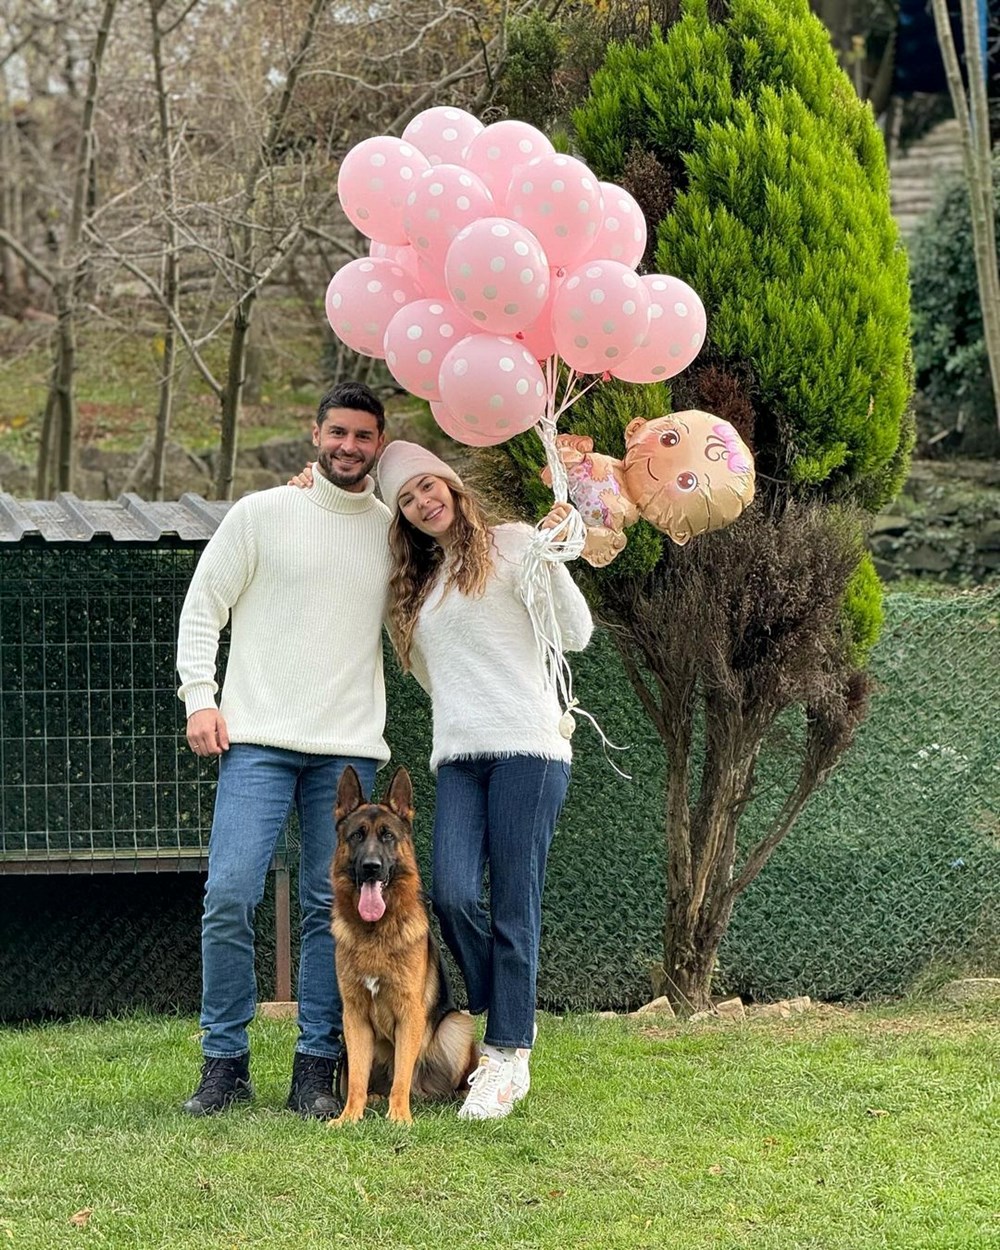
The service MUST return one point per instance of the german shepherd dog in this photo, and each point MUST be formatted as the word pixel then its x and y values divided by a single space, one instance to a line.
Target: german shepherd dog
pixel 401 1029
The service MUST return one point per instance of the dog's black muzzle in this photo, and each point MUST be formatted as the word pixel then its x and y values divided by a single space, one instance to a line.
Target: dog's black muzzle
pixel 371 863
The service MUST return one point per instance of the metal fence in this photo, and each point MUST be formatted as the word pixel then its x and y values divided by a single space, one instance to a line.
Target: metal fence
pixel 90 737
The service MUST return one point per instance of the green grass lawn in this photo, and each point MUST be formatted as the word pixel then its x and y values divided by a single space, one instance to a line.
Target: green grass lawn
pixel 836 1130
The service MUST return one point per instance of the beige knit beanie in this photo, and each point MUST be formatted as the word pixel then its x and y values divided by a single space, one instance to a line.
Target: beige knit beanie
pixel 400 461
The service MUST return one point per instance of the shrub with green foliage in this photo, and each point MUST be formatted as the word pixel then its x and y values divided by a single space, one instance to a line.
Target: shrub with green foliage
pixel 764 181
pixel 949 349
pixel 780 221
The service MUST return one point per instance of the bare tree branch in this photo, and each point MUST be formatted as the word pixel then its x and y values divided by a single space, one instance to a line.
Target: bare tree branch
pixel 33 263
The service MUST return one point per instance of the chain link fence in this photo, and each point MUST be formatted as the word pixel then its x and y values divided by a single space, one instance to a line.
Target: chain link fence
pixel 891 875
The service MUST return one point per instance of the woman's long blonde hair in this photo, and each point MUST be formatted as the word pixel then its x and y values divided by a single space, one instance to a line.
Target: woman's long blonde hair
pixel 417 558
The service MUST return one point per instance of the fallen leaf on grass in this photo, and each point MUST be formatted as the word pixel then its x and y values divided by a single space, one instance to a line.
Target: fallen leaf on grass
pixel 82 1218
pixel 876 1112
pixel 715 1169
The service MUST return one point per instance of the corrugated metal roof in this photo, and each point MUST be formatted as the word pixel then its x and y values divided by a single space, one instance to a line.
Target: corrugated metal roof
pixel 128 519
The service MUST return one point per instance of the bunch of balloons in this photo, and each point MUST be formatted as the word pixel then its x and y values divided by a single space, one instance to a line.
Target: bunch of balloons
pixel 492 254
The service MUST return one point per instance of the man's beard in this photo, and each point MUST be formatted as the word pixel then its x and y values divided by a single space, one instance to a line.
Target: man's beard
pixel 343 473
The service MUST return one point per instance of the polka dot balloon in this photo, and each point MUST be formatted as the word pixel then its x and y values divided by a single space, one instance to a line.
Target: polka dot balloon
pixel 498 149
pixel 416 341
pixel 460 431
pixel 405 257
pixel 443 134
pixel 363 297
pixel 444 200
pixel 676 332
pixel 560 201
pixel 493 387
pixel 497 274
pixel 375 178
pixel 600 315
pixel 622 235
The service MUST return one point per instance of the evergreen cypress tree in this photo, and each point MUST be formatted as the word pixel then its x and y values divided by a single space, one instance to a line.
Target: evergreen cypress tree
pixel 772 191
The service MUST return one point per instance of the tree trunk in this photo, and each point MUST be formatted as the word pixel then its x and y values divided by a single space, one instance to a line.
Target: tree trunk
pixel 12 275
pixel 164 410
pixel 43 465
pixel 232 399
pixel 65 395
pixel 698 913
pixel 690 951
pixel 171 263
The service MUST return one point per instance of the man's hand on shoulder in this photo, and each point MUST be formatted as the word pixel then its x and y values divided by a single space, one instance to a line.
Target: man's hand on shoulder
pixel 207 733
pixel 303 480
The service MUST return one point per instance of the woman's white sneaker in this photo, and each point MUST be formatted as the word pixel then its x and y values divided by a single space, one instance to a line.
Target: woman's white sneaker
pixel 492 1094
pixel 520 1080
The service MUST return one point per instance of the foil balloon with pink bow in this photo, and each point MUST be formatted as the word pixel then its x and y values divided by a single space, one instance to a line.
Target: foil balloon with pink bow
pixel 492 259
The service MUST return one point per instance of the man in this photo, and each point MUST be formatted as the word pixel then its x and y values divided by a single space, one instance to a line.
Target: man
pixel 303 577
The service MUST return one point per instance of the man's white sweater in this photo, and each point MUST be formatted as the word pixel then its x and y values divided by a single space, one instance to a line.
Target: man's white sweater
pixel 303 574
pixel 478 660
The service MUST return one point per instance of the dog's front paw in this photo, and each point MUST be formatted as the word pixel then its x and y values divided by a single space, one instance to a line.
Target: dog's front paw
pixel 399 1115
pixel 349 1115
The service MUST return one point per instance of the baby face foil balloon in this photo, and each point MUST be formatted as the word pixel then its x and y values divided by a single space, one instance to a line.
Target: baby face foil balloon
pixel 687 473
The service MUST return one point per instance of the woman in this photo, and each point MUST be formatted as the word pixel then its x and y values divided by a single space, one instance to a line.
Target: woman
pixel 459 624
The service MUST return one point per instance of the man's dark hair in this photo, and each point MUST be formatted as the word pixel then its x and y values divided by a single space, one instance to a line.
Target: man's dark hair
pixel 352 395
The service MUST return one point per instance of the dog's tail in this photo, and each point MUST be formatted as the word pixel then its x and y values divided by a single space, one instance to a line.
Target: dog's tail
pixel 449 1059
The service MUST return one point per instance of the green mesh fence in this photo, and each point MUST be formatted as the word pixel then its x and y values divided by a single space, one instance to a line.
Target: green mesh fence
pixel 894 868
pixel 891 871
pixel 92 754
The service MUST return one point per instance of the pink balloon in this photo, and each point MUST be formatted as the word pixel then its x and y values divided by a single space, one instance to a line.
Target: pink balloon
pixel 676 332
pixel 600 315
pixel 493 387
pixel 495 152
pixel 622 235
pixel 560 201
pixel 454 428
pixel 363 297
pixel 405 257
pixel 497 274
pixel 417 340
pixel 445 200
pixel 443 134
pixel 375 178
pixel 537 337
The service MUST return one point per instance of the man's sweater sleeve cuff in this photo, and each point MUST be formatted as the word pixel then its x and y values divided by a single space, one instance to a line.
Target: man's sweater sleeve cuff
pixel 197 698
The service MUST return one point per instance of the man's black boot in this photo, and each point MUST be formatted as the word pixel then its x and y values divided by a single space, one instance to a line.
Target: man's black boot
pixel 313 1094
pixel 223 1082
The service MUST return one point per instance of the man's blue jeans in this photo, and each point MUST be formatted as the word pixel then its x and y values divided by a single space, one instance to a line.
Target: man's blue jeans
pixel 256 790
pixel 499 812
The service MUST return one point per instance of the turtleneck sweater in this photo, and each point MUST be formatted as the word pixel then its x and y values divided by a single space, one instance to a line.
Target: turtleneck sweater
pixel 302 577
pixel 477 658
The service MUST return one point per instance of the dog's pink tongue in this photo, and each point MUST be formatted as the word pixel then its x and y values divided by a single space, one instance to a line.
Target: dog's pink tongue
pixel 371 904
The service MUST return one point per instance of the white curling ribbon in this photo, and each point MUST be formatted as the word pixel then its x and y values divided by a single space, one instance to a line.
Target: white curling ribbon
pixel 545 547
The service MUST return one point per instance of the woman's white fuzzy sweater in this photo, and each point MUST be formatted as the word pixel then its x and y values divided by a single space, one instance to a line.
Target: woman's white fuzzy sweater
pixel 478 660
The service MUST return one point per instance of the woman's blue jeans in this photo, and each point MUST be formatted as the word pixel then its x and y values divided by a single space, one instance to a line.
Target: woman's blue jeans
pixel 498 813
pixel 256 790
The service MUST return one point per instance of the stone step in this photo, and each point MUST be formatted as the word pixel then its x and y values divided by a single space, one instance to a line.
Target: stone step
pixel 917 173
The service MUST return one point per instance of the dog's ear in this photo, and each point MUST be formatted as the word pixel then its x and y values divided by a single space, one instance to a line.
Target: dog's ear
pixel 349 796
pixel 400 794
